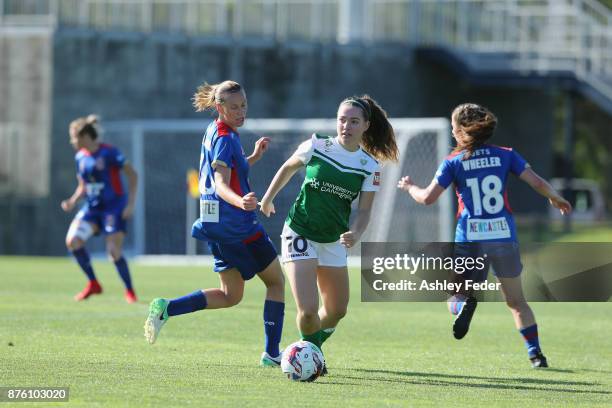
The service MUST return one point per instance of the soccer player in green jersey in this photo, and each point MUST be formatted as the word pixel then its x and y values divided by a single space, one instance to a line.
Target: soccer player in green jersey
pixel 316 234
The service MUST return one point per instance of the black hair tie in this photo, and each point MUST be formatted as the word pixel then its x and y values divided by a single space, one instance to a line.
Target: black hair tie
pixel 362 104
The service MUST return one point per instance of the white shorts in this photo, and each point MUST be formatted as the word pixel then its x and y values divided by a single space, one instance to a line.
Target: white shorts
pixel 296 247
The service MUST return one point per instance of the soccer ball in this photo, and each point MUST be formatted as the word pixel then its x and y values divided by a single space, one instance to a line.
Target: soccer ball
pixel 302 361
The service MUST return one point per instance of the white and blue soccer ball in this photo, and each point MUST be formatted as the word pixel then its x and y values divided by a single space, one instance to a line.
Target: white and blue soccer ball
pixel 302 361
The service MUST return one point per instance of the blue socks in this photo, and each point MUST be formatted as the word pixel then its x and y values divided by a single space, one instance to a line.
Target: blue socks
pixel 530 335
pixel 273 316
pixel 190 303
pixel 82 258
pixel 124 272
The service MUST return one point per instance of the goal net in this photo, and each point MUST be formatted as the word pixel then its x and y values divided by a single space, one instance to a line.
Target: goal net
pixel 163 151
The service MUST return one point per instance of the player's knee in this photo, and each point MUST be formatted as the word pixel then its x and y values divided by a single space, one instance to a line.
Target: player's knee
pixel 113 253
pixel 232 298
pixel 281 281
pixel 275 279
pixel 78 233
pixel 74 243
pixel 277 284
pixel 308 315
pixel 516 305
pixel 338 312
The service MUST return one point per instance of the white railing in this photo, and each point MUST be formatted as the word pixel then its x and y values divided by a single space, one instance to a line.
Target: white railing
pixel 542 35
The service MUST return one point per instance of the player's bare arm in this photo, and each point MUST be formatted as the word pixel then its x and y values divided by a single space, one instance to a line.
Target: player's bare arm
pixel 544 188
pixel 261 146
pixel 223 175
pixel 362 219
pixel 132 178
pixel 68 204
pixel 427 195
pixel 280 180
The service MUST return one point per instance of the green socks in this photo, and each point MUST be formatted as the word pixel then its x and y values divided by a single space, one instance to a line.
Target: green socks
pixel 314 338
pixel 318 338
pixel 325 333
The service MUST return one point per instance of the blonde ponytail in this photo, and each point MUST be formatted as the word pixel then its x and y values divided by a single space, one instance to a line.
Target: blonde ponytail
pixel 207 95
pixel 86 126
pixel 92 119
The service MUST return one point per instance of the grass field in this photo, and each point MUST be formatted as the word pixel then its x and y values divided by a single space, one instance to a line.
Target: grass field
pixel 530 232
pixel 384 354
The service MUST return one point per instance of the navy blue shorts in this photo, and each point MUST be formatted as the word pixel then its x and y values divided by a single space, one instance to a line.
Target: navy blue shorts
pixel 250 256
pixel 108 220
pixel 504 256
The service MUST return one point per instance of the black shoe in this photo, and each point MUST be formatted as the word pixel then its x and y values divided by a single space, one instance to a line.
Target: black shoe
pixel 539 361
pixel 462 322
pixel 324 371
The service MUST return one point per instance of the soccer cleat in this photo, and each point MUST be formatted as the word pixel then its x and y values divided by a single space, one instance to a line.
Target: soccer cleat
pixel 92 288
pixel 538 361
pixel 130 296
pixel 462 322
pixel 158 316
pixel 269 361
pixel 324 371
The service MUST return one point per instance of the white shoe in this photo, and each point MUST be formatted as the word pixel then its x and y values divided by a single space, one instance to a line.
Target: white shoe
pixel 158 316
pixel 269 361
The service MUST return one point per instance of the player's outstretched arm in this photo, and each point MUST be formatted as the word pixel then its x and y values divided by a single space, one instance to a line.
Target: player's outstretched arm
pixel 425 196
pixel 68 204
pixel 361 221
pixel 280 180
pixel 544 188
pixel 132 179
pixel 223 174
pixel 261 146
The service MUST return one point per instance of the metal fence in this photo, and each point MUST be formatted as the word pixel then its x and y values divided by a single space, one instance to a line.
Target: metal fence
pixel 540 35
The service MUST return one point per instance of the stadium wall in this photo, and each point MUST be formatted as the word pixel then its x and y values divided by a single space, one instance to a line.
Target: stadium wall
pixel 25 137
pixel 135 76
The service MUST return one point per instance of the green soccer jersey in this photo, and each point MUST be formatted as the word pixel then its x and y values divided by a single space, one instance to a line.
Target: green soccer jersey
pixel 334 178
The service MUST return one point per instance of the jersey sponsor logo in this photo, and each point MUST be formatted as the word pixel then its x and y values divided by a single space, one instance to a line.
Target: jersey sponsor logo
pixel 93 189
pixel 209 211
pixel 327 187
pixel 100 163
pixel 376 181
pixel 494 228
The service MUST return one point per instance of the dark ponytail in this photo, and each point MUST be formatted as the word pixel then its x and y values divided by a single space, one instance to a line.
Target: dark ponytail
pixel 477 122
pixel 379 139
